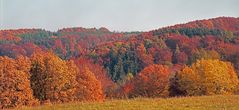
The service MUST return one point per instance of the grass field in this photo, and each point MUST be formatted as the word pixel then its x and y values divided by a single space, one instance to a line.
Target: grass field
pixel 180 103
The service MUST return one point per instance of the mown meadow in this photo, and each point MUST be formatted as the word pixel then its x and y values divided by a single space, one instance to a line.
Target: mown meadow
pixel 220 102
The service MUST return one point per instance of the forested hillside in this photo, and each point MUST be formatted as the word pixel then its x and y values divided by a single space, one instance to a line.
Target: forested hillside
pixel 77 64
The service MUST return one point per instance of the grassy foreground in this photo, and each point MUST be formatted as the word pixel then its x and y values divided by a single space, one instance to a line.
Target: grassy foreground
pixel 181 103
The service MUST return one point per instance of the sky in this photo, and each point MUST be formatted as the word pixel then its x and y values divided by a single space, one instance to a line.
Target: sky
pixel 116 15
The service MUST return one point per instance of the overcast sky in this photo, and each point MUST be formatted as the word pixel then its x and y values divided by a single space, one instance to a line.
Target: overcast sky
pixel 116 15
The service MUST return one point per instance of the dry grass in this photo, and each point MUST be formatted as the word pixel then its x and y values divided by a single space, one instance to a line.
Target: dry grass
pixel 180 103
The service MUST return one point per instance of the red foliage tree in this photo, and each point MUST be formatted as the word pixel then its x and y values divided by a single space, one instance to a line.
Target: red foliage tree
pixel 152 81
pixel 146 59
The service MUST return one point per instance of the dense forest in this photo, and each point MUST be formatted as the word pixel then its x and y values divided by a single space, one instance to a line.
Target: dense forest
pixel 78 64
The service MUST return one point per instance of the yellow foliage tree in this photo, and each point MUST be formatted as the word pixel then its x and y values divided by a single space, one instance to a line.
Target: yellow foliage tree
pixel 15 87
pixel 207 77
pixel 52 78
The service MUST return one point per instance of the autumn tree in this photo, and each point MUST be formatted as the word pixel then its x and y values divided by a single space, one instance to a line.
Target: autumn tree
pixel 207 77
pixel 52 78
pixel 204 54
pixel 125 86
pixel 98 70
pixel 88 87
pixel 15 89
pixel 146 59
pixel 163 56
pixel 180 57
pixel 152 81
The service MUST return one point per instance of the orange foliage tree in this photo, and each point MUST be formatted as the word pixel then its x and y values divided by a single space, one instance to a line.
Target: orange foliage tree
pixel 152 81
pixel 99 72
pixel 207 77
pixel 15 87
pixel 88 87
pixel 52 78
